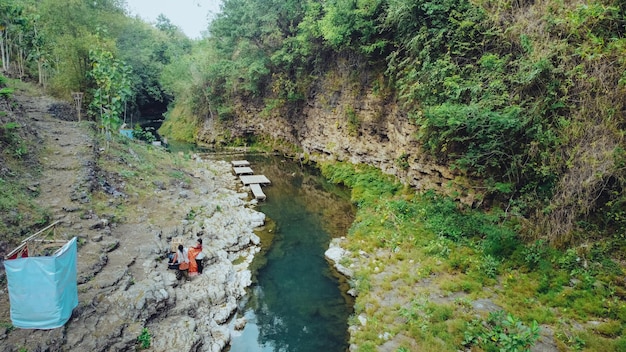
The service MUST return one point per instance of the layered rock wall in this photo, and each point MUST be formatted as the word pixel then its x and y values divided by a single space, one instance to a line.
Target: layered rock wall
pixel 340 125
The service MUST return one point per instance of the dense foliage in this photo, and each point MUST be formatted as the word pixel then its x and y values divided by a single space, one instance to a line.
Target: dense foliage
pixel 527 96
pixel 90 47
pixel 434 260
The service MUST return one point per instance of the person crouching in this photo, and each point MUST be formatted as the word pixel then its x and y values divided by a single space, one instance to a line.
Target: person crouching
pixel 181 259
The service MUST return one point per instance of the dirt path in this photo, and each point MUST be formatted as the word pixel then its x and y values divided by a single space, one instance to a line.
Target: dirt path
pixel 66 179
pixel 67 175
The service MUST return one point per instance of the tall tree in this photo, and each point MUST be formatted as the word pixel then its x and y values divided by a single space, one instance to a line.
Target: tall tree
pixel 113 88
pixel 11 21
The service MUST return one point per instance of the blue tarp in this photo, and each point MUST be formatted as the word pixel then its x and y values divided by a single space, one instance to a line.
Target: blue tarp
pixel 127 133
pixel 43 290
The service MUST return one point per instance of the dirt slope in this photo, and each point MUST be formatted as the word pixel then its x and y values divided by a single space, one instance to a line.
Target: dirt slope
pixel 113 253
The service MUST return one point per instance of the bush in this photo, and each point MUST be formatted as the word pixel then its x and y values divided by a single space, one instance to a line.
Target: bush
pixel 144 339
pixel 447 218
pixel 141 134
pixel 6 92
pixel 501 332
pixel 368 183
pixel 489 266
pixel 439 247
pixel 535 253
pixel 477 139
pixel 499 241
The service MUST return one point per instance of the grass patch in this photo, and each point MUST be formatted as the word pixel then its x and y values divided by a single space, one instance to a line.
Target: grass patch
pixel 137 170
pixel 23 87
pixel 19 213
pixel 180 124
pixel 415 247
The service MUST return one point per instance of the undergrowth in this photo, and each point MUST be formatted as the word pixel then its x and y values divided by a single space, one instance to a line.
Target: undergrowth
pixel 18 163
pixel 136 170
pixel 433 259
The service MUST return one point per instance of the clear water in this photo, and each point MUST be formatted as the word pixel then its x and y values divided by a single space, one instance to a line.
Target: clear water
pixel 296 303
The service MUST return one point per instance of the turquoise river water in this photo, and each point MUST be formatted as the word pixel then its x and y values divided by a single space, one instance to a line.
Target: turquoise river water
pixel 297 303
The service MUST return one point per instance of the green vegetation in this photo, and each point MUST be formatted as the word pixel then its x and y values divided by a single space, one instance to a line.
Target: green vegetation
pixel 142 167
pixel 191 214
pixel 6 92
pixel 528 106
pixel 18 211
pixel 142 134
pixel 506 99
pixel 14 144
pixel 438 257
pixel 91 47
pixel 7 326
pixel 524 99
pixel 112 79
pixel 502 333
pixel 144 339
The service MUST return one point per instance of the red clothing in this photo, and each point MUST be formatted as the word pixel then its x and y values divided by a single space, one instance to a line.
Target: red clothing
pixel 192 254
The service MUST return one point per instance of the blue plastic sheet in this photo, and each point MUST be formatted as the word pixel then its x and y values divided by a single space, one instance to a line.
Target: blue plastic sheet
pixel 43 290
pixel 127 133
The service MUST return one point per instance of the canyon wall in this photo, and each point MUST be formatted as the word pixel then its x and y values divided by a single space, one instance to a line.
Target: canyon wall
pixel 337 122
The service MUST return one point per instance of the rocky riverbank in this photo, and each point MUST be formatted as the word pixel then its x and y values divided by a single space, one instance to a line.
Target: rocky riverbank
pixel 197 309
pixel 125 208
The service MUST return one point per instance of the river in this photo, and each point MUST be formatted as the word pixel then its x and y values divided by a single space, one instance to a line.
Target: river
pixel 297 302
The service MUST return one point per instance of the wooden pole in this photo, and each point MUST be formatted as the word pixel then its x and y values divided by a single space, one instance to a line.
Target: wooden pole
pixel 78 97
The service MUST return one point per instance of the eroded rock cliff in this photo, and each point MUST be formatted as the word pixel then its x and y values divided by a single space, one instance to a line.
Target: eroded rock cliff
pixel 338 124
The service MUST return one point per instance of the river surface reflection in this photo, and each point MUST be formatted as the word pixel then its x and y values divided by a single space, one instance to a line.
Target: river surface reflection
pixel 296 303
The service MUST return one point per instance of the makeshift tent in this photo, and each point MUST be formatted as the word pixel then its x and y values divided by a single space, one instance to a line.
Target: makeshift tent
pixel 43 290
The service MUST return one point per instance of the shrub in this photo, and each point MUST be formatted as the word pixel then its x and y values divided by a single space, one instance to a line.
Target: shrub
pixel 6 92
pixel 570 260
pixel 475 138
pixel 499 241
pixel 489 266
pixel 447 218
pixel 439 247
pixel 535 253
pixel 501 332
pixel 141 134
pixel 144 339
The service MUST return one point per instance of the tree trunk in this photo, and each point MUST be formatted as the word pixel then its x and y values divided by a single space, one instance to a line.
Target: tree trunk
pixel 3 52
pixel 20 63
pixel 21 55
pixel 7 50
pixel 39 68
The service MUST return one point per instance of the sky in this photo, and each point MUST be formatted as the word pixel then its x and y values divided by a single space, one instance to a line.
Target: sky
pixel 192 16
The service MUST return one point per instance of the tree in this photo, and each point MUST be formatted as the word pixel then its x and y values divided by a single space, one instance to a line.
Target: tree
pixel 113 88
pixel 165 25
pixel 11 20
